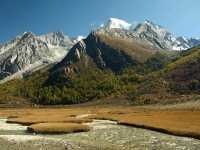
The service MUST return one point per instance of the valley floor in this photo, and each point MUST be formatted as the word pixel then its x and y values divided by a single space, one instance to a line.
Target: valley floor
pixel 127 130
pixel 108 137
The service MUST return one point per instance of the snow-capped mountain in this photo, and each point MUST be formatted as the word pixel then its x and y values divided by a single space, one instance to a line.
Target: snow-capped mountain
pixel 78 38
pixel 159 37
pixel 114 23
pixel 149 32
pixel 30 51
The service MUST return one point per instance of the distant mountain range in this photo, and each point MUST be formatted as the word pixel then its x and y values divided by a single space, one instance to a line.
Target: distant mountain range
pixel 29 52
pixel 149 32
pixel 144 63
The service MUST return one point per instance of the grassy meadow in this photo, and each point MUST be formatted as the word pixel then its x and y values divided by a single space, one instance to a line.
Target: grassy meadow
pixel 181 122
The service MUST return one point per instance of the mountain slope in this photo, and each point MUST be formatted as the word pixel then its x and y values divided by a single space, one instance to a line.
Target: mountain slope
pixel 98 66
pixel 184 74
pixel 181 76
pixel 105 52
pixel 157 36
pixel 31 51
pixel 110 62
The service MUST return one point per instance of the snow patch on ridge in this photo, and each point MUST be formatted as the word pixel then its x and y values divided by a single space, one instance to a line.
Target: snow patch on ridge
pixel 80 37
pixel 115 23
pixel 149 32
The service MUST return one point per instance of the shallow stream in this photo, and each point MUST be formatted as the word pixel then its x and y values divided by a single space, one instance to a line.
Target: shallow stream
pixel 104 135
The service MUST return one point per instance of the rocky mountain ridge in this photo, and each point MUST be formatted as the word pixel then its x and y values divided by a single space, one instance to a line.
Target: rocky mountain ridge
pixel 28 50
pixel 148 32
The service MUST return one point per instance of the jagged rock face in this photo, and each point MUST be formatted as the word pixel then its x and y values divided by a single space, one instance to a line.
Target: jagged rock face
pixel 25 52
pixel 148 32
pixel 93 51
pixel 106 56
pixel 57 39
pixel 74 54
pixel 9 45
pixel 28 50
pixel 119 33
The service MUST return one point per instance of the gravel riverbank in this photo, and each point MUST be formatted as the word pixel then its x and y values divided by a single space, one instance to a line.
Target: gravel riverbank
pixel 104 135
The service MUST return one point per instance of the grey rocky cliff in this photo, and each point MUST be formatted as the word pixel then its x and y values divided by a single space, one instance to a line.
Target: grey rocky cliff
pixel 29 51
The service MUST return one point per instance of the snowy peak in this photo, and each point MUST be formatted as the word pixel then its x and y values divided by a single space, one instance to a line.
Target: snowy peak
pixel 148 32
pixel 114 23
pixel 78 38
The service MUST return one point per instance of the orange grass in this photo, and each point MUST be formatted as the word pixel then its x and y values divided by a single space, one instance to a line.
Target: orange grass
pixel 177 122
pixel 180 123
pixel 52 128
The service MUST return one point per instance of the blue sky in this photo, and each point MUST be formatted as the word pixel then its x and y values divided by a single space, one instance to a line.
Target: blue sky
pixel 74 17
